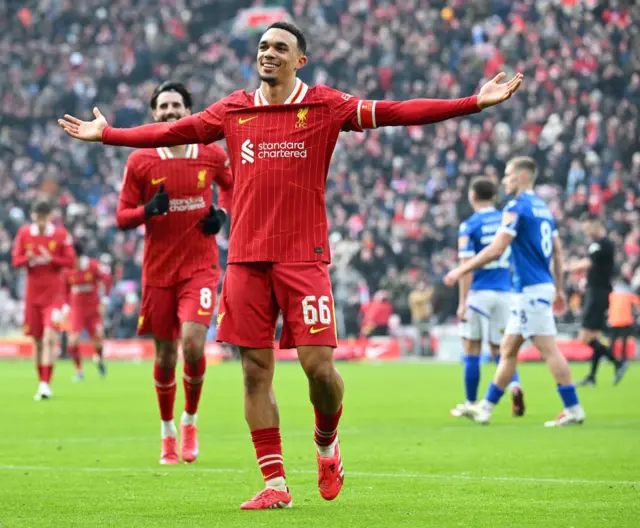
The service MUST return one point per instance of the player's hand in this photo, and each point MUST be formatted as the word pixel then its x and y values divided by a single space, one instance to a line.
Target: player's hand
pixel 84 130
pixel 560 304
pixel 493 93
pixel 213 222
pixel 462 312
pixel 158 205
pixel 452 277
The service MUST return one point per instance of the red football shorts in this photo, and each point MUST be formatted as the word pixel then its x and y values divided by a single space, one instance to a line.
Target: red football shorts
pixel 38 317
pixel 85 317
pixel 253 295
pixel 163 310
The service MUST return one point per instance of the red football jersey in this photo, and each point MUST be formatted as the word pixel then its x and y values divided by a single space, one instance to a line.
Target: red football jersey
pixel 45 255
pixel 175 246
pixel 82 284
pixel 281 157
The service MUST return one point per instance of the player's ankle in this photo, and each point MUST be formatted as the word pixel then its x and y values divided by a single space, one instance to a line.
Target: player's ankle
pixel 168 429
pixel 277 483
pixel 188 419
pixel 327 451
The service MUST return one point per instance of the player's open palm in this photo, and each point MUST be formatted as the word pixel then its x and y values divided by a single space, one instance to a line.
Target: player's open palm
pixel 494 92
pixel 85 130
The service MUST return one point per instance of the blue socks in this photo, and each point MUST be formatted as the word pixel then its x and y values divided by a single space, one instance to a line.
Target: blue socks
pixel 568 395
pixel 471 377
pixel 494 393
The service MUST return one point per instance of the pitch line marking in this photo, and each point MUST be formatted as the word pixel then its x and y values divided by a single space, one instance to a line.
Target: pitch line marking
pixel 362 474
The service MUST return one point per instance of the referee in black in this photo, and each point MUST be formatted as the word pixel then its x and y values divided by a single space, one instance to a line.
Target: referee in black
pixel 600 267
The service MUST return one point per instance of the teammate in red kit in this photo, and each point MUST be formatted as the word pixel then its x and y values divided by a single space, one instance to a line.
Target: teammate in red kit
pixel 45 250
pixel 180 272
pixel 281 138
pixel 84 306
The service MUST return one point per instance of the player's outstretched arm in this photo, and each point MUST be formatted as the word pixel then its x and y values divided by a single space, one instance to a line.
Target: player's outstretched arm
pixel 492 252
pixel 425 111
pixel 182 132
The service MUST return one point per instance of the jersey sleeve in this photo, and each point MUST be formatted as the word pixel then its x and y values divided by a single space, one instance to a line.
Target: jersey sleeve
pixel 465 241
pixel 511 218
pixel 359 114
pixel 348 111
pixel 224 179
pixel 210 122
pixel 18 253
pixel 130 213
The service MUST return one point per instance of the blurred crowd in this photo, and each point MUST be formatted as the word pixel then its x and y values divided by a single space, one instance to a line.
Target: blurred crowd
pixel 395 196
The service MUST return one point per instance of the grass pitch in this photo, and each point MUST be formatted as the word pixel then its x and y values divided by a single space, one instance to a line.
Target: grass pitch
pixel 89 457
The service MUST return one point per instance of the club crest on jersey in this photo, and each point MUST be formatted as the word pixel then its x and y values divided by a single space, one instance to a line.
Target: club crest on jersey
pixel 202 176
pixel 52 245
pixel 302 117
pixel 88 276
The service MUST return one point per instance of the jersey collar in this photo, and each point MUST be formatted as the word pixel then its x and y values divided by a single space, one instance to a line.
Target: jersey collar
pixel 297 95
pixel 487 209
pixel 165 152
pixel 48 231
pixel 83 261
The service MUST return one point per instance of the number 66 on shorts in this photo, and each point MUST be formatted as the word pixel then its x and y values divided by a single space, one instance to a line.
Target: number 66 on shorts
pixel 253 295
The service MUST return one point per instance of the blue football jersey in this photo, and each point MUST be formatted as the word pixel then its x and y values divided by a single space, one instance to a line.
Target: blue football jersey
pixel 528 219
pixel 473 236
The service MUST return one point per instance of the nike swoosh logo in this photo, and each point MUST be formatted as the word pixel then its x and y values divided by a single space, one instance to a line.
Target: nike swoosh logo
pixel 315 330
pixel 156 182
pixel 244 120
pixel 200 312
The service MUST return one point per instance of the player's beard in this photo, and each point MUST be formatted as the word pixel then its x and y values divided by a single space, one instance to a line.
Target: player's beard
pixel 271 79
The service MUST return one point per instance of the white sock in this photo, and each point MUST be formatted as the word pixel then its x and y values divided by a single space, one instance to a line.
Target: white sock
pixel 514 385
pixel 573 409
pixel 188 419
pixel 487 405
pixel 168 429
pixel 277 483
pixel 327 451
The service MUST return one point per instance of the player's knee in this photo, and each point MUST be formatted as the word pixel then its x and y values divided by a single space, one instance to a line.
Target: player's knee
pixel 166 353
pixel 257 374
pixel 320 372
pixel 192 348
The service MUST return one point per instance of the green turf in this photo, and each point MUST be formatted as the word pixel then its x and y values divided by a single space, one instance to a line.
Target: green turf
pixel 90 456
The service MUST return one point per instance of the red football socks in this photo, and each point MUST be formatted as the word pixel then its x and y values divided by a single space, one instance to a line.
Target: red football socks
pixel 268 446
pixel 326 427
pixel 74 352
pixel 193 378
pixel 45 372
pixel 165 379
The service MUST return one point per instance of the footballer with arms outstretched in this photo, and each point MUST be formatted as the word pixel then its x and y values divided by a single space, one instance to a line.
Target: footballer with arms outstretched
pixel 281 138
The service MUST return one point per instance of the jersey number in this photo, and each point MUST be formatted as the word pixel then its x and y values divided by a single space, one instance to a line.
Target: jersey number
pixel 312 314
pixel 205 298
pixel 546 238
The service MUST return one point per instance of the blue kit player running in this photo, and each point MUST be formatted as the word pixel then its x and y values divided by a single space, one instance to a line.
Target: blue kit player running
pixel 528 226
pixel 485 297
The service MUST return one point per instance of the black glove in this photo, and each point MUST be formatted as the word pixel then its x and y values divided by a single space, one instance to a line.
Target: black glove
pixel 213 222
pixel 159 204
